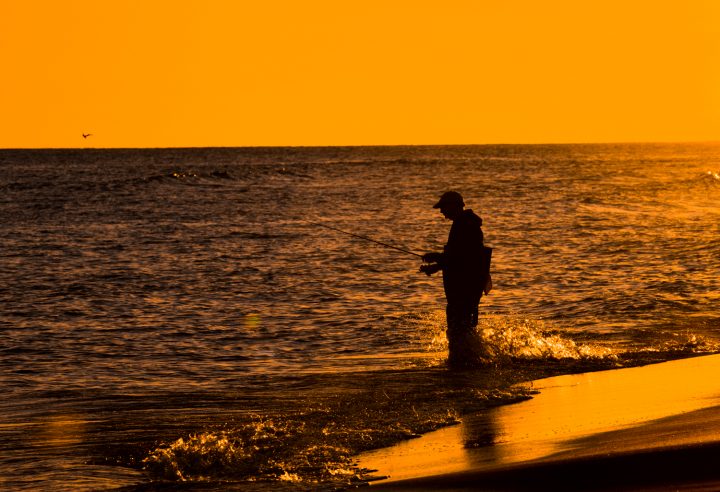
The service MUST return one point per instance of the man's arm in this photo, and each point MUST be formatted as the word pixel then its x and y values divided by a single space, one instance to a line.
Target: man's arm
pixel 435 263
pixel 430 268
pixel 432 257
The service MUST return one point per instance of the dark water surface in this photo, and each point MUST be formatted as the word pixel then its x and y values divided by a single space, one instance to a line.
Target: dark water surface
pixel 167 315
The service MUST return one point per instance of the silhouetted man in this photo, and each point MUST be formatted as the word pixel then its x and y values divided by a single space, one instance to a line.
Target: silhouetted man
pixel 465 264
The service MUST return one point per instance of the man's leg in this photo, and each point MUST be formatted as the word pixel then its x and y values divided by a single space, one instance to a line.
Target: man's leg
pixel 459 330
pixel 474 305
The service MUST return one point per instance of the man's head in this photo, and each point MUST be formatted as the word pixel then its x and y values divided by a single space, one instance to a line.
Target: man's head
pixel 451 204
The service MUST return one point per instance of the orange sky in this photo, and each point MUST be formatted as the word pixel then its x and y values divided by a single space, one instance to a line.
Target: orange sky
pixel 158 73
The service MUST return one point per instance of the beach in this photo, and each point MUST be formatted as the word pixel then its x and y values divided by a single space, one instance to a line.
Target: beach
pixel 654 427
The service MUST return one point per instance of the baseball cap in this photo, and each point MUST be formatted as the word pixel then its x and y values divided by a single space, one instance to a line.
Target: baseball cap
pixel 450 198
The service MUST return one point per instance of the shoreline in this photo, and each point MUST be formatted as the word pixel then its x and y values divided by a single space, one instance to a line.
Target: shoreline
pixel 616 420
pixel 687 468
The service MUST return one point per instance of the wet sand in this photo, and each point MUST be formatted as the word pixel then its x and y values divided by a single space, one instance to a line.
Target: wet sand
pixel 655 427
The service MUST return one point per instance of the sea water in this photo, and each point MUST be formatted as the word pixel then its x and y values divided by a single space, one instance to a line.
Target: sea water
pixel 169 315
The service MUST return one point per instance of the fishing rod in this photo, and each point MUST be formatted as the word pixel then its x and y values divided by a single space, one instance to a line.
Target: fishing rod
pixel 362 237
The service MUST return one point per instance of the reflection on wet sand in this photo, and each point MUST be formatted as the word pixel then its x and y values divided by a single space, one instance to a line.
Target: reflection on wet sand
pixel 560 419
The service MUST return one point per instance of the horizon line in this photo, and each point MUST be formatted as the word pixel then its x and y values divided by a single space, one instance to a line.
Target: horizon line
pixel 619 142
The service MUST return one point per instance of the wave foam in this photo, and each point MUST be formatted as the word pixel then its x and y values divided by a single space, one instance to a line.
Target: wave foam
pixel 316 446
pixel 517 337
pixel 502 338
pixel 262 450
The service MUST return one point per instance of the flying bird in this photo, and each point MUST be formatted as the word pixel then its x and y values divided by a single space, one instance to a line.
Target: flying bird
pixel 86 135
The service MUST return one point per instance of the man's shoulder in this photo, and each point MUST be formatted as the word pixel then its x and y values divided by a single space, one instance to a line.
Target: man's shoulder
pixel 470 219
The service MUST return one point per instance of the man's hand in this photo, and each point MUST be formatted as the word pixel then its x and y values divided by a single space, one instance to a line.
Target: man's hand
pixel 430 269
pixel 432 257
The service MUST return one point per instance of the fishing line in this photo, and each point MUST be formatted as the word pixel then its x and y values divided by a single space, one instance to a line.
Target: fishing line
pixel 362 237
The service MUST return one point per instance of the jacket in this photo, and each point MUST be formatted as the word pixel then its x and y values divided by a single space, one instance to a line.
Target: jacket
pixel 463 260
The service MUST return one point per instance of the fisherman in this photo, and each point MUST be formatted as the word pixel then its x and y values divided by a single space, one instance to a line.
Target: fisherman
pixel 465 264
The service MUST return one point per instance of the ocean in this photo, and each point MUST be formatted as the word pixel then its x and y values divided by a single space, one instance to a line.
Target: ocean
pixel 169 317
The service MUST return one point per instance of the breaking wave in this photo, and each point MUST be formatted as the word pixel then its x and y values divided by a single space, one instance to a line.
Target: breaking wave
pixel 508 339
pixel 499 339
pixel 516 337
pixel 318 446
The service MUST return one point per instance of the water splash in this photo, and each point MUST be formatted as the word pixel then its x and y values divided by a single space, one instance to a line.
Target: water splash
pixel 517 337
pixel 265 450
pixel 503 338
pixel 507 339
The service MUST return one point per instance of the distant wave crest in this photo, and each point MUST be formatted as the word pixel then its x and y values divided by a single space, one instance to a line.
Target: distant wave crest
pixel 710 178
pixel 190 176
